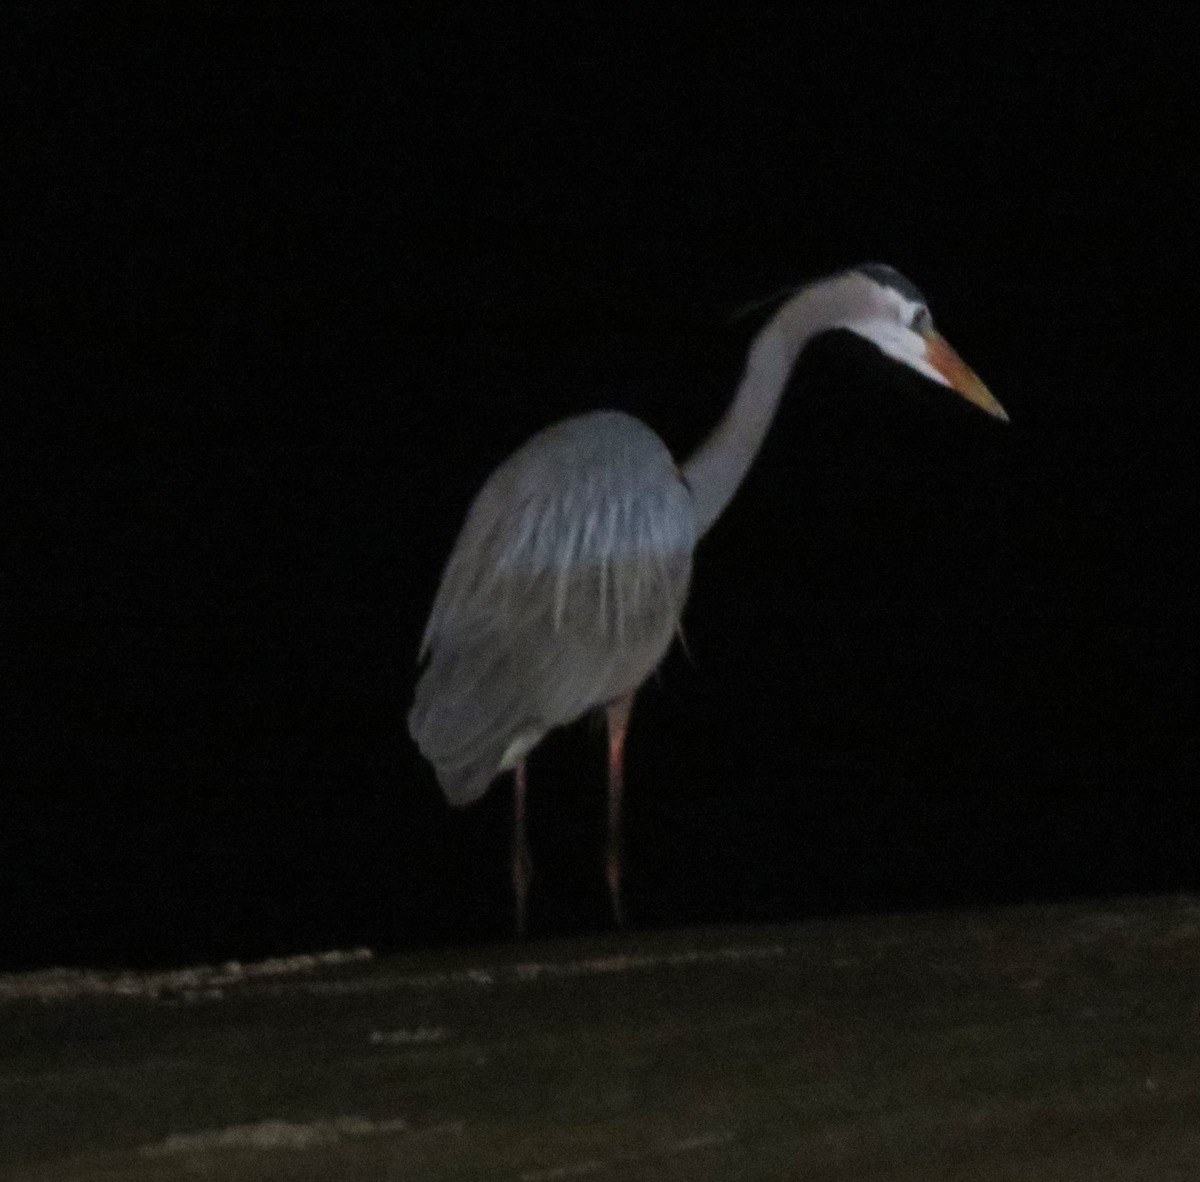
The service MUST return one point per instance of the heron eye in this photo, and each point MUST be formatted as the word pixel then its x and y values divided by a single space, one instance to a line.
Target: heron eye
pixel 921 321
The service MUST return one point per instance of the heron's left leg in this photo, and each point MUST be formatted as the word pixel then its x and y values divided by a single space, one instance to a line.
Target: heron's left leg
pixel 522 864
pixel 617 712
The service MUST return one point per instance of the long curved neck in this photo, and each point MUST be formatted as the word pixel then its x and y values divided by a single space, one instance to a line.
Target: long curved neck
pixel 721 462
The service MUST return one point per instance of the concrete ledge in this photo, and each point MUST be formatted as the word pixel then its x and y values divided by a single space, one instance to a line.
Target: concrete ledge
pixel 1056 1042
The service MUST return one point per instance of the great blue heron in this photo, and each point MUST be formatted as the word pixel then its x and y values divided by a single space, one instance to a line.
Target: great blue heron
pixel 567 581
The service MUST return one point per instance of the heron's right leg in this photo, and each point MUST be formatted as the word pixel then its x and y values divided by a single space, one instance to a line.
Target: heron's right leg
pixel 618 711
pixel 522 865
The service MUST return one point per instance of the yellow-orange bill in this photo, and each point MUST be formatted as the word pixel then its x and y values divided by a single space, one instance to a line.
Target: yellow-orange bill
pixel 960 375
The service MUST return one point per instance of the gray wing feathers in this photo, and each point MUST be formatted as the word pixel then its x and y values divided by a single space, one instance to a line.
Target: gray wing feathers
pixel 563 590
pixel 465 716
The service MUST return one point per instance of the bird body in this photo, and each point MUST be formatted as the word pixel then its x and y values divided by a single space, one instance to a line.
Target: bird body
pixel 563 592
pixel 568 578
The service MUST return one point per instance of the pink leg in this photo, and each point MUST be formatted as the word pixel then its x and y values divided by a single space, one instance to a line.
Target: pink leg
pixel 618 711
pixel 522 865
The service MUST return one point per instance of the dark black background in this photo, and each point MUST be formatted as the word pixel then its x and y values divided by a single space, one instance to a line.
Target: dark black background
pixel 285 286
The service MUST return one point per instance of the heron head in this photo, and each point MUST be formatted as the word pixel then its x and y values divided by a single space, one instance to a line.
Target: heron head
pixel 891 313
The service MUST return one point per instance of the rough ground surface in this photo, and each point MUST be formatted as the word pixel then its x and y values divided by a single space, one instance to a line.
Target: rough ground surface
pixel 1057 1042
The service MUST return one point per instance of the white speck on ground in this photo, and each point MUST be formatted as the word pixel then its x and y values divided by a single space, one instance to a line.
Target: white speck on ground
pixel 273 1134
pixel 422 1035
pixel 575 1170
pixel 198 983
